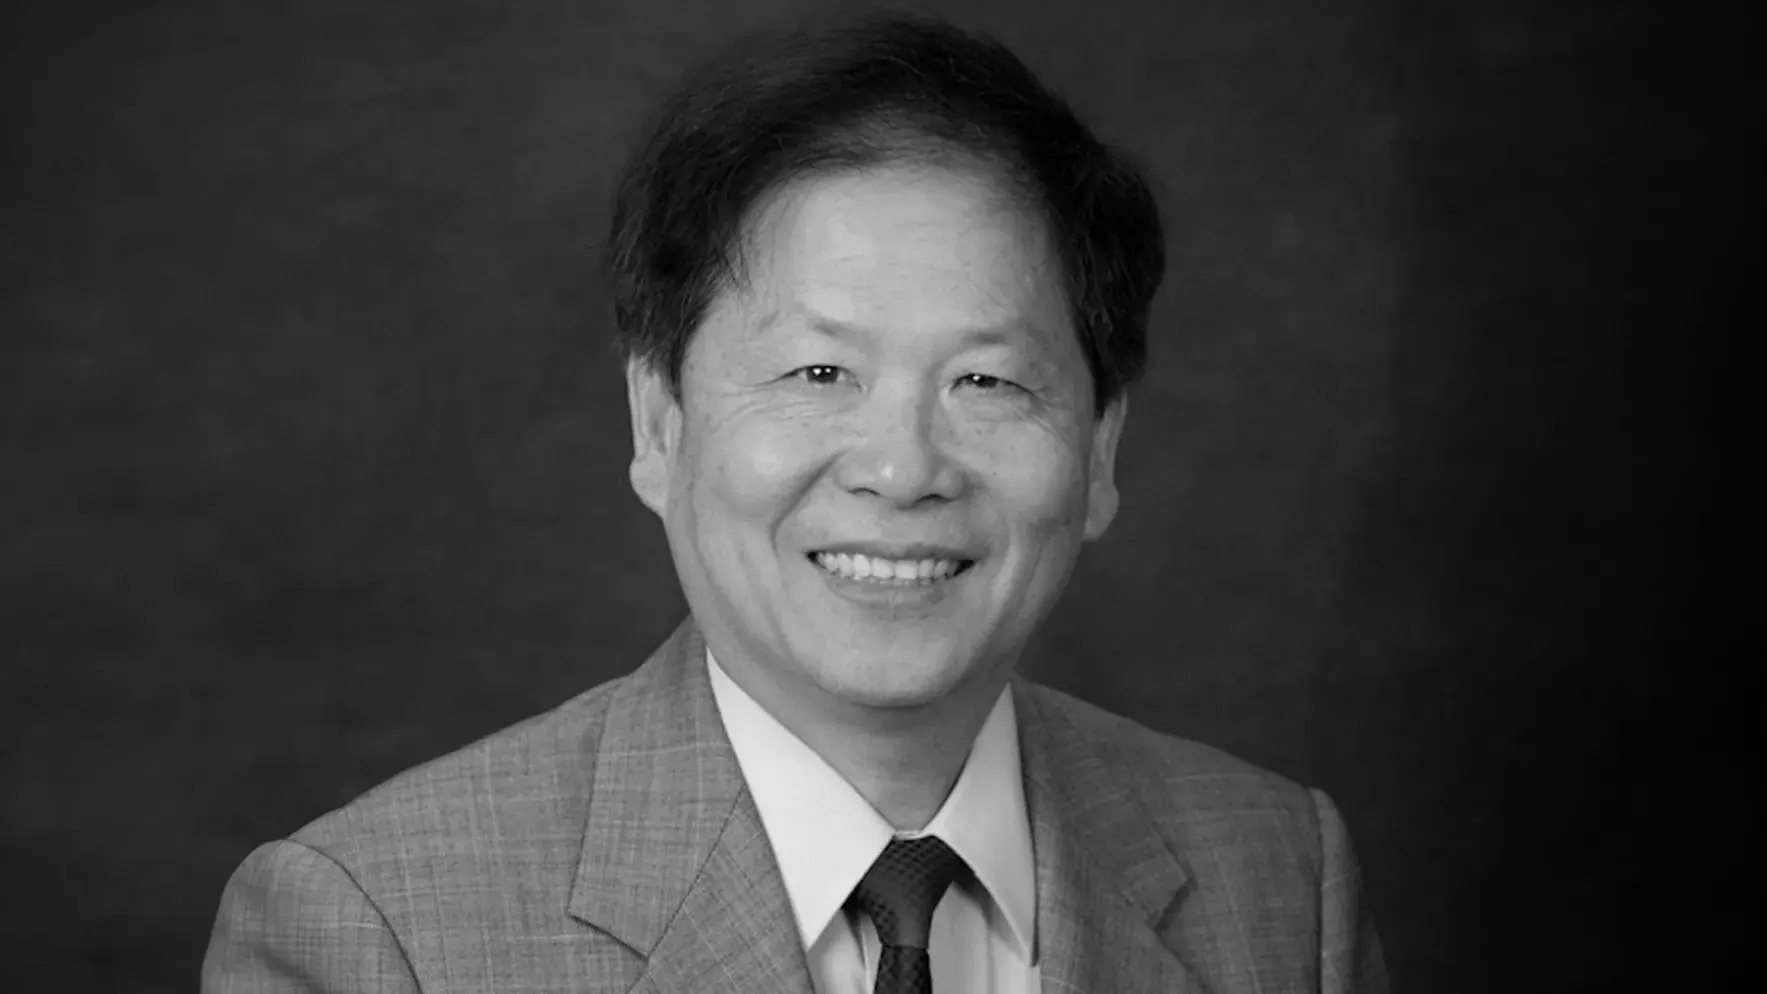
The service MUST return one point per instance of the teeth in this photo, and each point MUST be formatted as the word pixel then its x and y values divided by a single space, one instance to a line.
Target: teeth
pixel 879 570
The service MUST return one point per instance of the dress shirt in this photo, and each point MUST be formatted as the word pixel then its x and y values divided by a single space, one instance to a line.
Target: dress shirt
pixel 825 836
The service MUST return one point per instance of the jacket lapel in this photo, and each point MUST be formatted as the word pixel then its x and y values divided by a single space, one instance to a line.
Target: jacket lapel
pixel 1105 879
pixel 676 864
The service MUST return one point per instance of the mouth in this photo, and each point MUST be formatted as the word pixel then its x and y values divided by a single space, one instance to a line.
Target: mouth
pixel 890 572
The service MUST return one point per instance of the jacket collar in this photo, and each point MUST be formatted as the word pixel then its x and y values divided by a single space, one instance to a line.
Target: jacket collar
pixel 676 864
pixel 1105 878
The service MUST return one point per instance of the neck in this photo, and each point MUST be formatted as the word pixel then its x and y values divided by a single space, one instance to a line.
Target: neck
pixel 904 764
pixel 902 760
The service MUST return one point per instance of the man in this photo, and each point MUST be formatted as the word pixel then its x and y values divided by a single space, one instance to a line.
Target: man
pixel 881 296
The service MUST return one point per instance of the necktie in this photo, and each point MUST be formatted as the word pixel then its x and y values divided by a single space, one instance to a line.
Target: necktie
pixel 899 894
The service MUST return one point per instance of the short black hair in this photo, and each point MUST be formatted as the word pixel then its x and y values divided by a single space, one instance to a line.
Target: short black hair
pixel 850 93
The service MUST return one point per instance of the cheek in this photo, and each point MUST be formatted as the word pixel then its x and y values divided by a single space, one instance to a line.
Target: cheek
pixel 756 468
pixel 1038 481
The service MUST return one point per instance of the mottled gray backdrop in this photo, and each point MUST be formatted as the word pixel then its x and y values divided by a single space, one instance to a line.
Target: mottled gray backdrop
pixel 314 451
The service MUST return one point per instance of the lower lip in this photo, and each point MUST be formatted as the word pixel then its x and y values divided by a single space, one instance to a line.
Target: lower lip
pixel 873 592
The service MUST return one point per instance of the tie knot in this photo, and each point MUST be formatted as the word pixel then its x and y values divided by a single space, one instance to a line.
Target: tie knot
pixel 903 887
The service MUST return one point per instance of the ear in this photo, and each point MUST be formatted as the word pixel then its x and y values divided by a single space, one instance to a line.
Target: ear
pixel 1101 498
pixel 656 433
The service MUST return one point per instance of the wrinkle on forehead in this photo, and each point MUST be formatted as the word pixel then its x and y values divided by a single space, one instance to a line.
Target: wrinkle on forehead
pixel 941 237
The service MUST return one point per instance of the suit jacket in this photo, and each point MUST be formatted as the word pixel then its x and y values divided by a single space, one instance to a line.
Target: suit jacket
pixel 611 845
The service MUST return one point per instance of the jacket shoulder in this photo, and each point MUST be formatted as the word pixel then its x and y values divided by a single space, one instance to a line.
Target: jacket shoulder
pixel 521 792
pixel 1178 780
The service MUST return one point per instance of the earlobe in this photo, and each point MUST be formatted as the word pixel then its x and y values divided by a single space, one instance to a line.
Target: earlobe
pixel 1101 496
pixel 656 422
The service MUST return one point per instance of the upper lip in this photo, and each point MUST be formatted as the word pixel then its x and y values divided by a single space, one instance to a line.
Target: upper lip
pixel 893 550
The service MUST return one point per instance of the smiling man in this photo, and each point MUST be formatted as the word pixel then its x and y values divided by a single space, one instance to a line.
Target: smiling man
pixel 881 297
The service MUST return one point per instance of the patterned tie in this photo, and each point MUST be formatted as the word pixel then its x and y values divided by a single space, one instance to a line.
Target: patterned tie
pixel 899 894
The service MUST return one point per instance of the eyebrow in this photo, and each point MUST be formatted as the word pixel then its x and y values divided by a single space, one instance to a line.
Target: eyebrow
pixel 840 330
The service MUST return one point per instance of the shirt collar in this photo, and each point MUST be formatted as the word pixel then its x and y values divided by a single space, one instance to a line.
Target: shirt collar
pixel 825 835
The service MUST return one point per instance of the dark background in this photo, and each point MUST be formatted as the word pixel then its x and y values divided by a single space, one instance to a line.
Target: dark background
pixel 315 453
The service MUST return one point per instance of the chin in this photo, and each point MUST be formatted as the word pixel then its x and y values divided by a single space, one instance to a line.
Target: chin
pixel 880 681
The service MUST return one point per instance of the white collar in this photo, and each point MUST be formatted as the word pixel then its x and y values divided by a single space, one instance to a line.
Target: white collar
pixel 825 835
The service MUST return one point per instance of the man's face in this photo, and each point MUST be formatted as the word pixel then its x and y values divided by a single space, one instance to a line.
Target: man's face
pixel 885 458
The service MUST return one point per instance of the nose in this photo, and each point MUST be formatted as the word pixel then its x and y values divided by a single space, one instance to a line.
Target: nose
pixel 897 453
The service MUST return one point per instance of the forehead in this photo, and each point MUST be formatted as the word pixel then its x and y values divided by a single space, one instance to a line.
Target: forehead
pixel 902 247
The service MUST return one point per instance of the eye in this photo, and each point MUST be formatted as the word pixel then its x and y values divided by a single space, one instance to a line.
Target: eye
pixel 982 381
pixel 822 376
